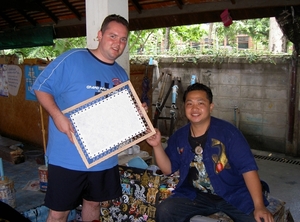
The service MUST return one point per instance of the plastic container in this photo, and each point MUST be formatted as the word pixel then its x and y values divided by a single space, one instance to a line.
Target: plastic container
pixel 43 175
pixel 137 162
pixel 7 191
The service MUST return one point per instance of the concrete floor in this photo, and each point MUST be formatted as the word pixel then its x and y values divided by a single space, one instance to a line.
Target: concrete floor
pixel 283 179
pixel 21 174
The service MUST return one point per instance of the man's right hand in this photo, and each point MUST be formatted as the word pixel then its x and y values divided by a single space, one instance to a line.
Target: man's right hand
pixel 64 125
pixel 154 140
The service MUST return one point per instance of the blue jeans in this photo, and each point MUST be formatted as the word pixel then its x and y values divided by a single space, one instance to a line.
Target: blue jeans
pixel 180 209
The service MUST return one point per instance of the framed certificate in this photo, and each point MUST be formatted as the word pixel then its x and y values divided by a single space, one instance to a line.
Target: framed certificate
pixel 109 123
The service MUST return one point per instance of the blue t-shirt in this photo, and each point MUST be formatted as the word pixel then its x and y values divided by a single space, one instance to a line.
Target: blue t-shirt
pixel 71 78
pixel 226 156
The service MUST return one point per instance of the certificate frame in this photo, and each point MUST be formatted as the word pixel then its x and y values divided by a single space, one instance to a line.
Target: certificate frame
pixel 108 123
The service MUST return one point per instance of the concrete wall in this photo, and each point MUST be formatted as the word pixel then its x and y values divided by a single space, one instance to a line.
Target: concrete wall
pixel 254 97
pixel 260 91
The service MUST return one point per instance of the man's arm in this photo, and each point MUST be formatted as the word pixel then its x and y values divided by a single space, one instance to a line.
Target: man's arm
pixel 254 186
pixel 162 160
pixel 61 122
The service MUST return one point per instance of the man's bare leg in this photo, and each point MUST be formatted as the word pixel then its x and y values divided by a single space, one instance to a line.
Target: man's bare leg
pixel 90 210
pixel 57 216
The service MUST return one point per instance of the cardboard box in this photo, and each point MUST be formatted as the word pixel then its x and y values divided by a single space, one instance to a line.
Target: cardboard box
pixel 9 59
pixel 12 154
pixel 36 61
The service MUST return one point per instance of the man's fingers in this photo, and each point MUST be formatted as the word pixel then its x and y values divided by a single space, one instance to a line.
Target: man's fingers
pixel 69 134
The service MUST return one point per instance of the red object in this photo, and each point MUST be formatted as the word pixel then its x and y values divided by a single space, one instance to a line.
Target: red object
pixel 219 167
pixel 226 18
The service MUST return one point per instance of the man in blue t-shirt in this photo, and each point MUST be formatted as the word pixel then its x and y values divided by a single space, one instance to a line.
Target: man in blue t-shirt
pixel 216 167
pixel 71 78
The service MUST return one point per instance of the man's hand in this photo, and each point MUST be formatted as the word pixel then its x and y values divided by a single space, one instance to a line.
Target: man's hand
pixel 64 125
pixel 145 106
pixel 263 213
pixel 155 140
pixel 61 122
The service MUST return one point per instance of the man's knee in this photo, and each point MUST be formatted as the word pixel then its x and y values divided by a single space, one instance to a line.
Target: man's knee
pixel 164 208
pixel 57 215
pixel 91 204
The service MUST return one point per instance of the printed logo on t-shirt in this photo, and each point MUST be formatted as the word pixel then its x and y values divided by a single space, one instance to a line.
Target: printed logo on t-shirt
pixel 116 81
pixel 101 87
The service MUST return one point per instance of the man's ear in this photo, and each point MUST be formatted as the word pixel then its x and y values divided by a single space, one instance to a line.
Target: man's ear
pixel 99 36
pixel 211 107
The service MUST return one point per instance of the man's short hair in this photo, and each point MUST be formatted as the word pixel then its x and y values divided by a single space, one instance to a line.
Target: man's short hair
pixel 116 18
pixel 199 86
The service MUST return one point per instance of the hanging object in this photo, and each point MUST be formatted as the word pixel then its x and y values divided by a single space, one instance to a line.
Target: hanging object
pixel 174 94
pixel 193 79
pixel 146 88
pixel 226 18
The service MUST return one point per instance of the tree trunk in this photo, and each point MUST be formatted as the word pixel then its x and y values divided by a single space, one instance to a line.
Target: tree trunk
pixel 167 40
pixel 277 40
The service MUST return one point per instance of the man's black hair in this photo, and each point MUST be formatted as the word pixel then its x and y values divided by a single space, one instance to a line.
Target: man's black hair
pixel 199 86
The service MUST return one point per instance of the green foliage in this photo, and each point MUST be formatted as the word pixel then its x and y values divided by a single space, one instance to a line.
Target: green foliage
pixel 258 29
pixel 190 33
pixel 50 52
pixel 144 40
pixel 192 41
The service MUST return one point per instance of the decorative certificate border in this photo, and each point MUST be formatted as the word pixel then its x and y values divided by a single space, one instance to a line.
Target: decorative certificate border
pixel 109 123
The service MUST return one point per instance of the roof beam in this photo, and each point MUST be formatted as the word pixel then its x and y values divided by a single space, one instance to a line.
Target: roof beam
pixel 137 6
pixel 48 12
pixel 27 17
pixel 212 6
pixel 8 20
pixel 72 9
pixel 179 3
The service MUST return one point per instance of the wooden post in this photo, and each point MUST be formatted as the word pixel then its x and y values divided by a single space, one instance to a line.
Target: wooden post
pixel 43 128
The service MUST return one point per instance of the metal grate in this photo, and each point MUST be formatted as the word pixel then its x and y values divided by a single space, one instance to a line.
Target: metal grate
pixel 277 159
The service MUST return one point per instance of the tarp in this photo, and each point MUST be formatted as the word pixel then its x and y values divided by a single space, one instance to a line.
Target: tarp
pixel 40 36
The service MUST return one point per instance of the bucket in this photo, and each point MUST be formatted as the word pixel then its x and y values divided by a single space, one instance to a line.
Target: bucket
pixel 43 175
pixel 35 156
pixel 7 191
